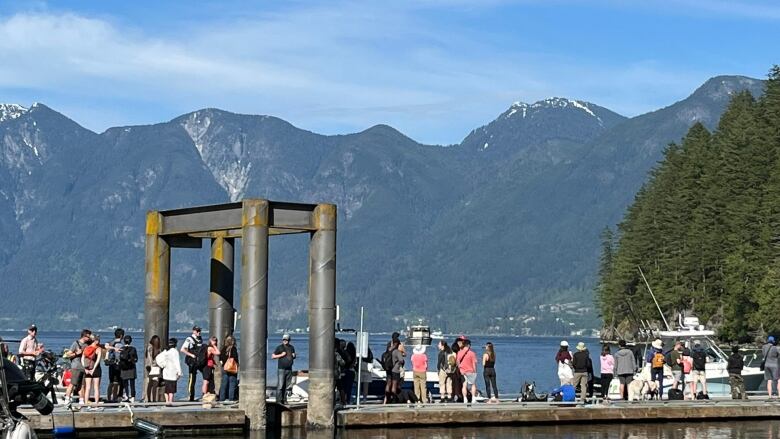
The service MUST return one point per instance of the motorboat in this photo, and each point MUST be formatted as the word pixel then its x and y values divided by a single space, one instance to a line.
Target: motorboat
pixel 690 332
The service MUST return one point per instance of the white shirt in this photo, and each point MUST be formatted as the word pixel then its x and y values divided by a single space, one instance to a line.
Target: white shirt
pixel 169 361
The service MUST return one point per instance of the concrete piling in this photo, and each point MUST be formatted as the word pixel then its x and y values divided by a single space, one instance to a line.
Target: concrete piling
pixel 221 310
pixel 322 317
pixel 158 281
pixel 254 312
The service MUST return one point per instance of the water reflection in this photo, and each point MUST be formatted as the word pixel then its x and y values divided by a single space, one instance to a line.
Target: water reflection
pixel 760 429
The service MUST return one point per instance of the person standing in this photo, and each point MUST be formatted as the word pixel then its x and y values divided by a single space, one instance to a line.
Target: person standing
pixel 155 382
pixel 90 358
pixel 581 364
pixel 190 348
pixel 445 370
pixel 563 360
pixel 229 359
pixel 676 359
pixel 285 356
pixel 699 372
pixel 771 366
pixel 74 353
pixel 656 359
pixel 212 356
pixel 171 369
pixel 29 349
pixel 607 370
pixel 348 378
pixel 489 371
pixel 127 361
pixel 419 373
pixel 467 363
pixel 735 365
pixel 113 351
pixel 387 365
pixel 625 366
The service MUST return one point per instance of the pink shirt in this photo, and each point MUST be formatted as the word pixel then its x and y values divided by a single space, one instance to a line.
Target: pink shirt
pixel 467 361
pixel 419 362
pixel 607 363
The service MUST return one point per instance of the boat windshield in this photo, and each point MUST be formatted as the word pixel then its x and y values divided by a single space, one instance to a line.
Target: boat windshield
pixel 690 340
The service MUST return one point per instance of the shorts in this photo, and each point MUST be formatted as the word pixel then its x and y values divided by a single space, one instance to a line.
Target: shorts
pixel 698 375
pixel 208 373
pixel 626 378
pixel 395 376
pixel 771 373
pixel 471 378
pixel 97 373
pixel 170 386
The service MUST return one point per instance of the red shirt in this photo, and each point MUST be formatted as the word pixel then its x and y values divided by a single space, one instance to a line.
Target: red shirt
pixel 419 362
pixel 467 361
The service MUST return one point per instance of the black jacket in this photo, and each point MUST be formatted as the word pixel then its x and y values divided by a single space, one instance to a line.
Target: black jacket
pixel 581 362
pixel 735 365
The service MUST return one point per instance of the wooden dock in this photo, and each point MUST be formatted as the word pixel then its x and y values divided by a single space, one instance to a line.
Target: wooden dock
pixel 431 415
pixel 181 420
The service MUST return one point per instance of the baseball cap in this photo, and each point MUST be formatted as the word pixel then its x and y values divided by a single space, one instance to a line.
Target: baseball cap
pixel 286 337
pixel 196 328
pixel 32 327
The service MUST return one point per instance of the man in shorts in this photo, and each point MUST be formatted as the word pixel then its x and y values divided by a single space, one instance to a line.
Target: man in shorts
pixel 467 363
pixel 676 364
pixel 625 366
pixel 698 372
pixel 76 367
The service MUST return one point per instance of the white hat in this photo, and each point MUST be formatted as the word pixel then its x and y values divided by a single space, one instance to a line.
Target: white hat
pixel 658 344
pixel 580 346
pixel 419 349
pixel 565 343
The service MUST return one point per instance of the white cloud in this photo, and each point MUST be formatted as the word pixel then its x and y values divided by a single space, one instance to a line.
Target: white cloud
pixel 324 68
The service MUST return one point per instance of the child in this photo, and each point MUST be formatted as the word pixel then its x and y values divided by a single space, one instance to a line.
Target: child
pixel 169 361
pixel 607 370
pixel 735 365
pixel 128 357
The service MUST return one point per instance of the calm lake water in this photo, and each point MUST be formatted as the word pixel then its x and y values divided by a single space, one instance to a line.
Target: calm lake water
pixel 518 359
pixel 704 430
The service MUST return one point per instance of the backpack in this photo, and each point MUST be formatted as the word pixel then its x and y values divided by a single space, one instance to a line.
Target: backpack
pixel 387 361
pixel 452 363
pixel 699 360
pixel 201 356
pixel 195 350
pixel 668 358
pixel 128 357
pixel 658 360
pixel 90 357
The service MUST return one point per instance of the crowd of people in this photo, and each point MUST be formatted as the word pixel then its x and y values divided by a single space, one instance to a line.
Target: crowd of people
pixel 456 367
pixel 687 364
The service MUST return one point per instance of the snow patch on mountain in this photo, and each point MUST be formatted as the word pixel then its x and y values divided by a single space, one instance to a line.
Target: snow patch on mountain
pixel 11 111
pixel 224 161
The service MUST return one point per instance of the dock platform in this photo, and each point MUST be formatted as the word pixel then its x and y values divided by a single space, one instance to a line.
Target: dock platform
pixel 540 413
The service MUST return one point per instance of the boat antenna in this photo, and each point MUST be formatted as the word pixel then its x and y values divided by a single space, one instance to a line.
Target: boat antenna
pixel 654 300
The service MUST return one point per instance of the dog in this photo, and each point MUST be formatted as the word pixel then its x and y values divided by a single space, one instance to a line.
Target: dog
pixel 641 390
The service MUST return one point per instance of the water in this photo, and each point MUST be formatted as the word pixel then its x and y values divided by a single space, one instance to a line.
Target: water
pixel 694 430
pixel 518 359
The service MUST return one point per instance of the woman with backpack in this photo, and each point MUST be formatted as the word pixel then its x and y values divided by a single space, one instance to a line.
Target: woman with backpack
pixel 90 358
pixel 387 365
pixel 446 366
pixel 656 359
pixel 127 361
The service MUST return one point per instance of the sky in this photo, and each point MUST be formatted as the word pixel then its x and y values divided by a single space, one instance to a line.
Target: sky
pixel 433 69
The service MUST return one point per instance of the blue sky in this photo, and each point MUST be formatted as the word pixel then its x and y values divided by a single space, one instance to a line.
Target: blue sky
pixel 434 69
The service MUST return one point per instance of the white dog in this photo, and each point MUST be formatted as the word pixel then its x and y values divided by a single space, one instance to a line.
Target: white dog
pixel 641 389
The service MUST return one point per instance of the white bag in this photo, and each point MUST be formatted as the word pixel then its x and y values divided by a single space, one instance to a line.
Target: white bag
pixel 565 373
pixel 161 359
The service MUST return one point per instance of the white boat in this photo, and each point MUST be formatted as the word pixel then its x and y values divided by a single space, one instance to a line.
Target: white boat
pixel 690 332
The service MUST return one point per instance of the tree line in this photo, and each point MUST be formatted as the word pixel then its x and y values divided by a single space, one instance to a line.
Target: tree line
pixel 705 229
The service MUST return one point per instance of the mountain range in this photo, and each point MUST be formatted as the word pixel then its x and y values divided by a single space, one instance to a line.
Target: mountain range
pixel 499 233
